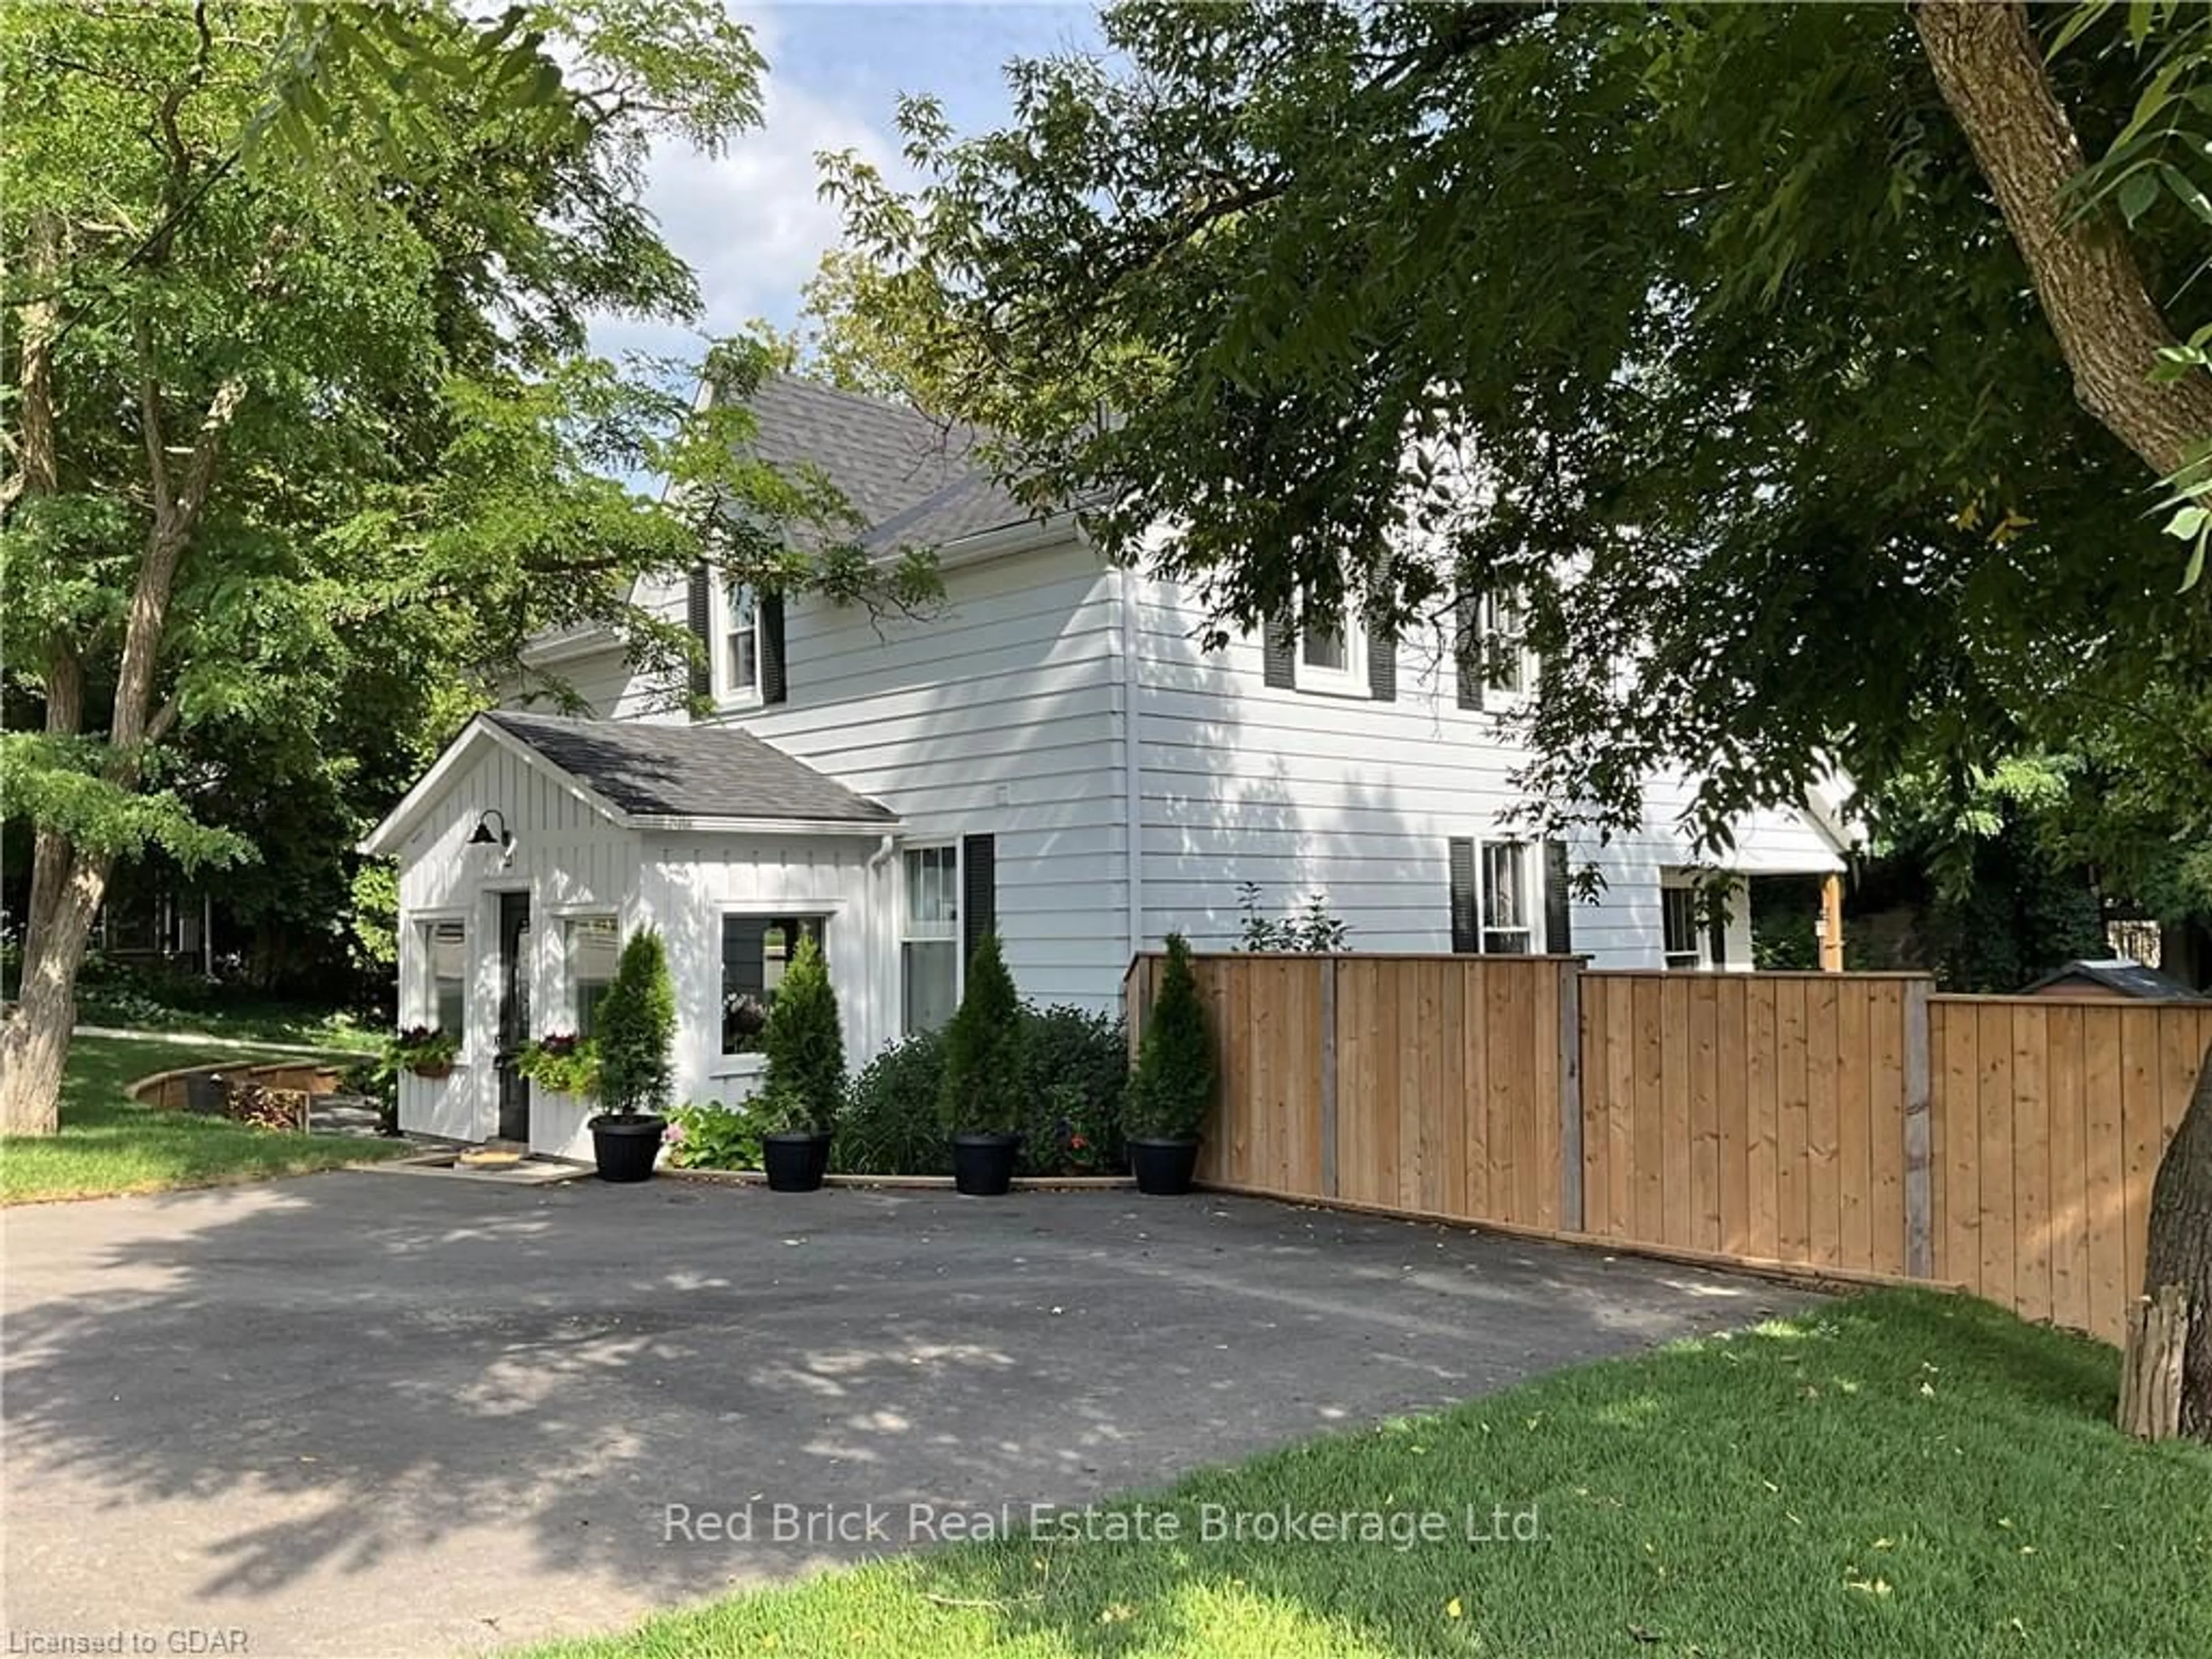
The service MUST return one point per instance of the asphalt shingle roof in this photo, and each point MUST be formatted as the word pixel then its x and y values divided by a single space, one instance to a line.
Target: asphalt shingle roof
pixel 689 771
pixel 914 479
pixel 2118 974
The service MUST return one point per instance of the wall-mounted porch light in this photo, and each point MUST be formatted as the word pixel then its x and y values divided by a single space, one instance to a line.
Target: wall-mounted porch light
pixel 484 836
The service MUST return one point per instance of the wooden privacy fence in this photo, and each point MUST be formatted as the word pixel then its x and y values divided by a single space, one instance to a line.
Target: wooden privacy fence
pixel 1853 1124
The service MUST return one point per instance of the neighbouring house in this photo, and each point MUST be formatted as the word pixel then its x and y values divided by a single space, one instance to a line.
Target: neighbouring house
pixel 1049 754
pixel 2119 979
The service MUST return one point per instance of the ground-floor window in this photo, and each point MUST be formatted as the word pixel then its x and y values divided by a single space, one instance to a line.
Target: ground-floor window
pixel 1505 929
pixel 590 948
pixel 756 950
pixel 1677 919
pixel 445 947
pixel 929 949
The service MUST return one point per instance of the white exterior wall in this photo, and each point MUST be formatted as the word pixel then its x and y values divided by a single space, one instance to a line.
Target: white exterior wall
pixel 1309 791
pixel 573 861
pixel 999 713
pixel 691 881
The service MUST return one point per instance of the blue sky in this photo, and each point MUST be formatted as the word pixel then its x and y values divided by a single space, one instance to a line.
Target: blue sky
pixel 749 222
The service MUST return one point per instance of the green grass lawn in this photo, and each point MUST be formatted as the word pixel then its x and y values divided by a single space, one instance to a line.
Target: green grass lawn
pixel 241 1019
pixel 1903 1473
pixel 108 1144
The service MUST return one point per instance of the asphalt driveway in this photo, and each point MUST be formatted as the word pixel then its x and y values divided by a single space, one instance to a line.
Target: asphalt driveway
pixel 368 1414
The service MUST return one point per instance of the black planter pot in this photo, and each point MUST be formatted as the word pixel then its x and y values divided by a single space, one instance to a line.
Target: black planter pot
pixel 983 1162
pixel 796 1160
pixel 625 1147
pixel 1164 1167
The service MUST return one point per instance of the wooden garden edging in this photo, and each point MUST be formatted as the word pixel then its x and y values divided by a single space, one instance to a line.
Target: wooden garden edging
pixel 1856 1126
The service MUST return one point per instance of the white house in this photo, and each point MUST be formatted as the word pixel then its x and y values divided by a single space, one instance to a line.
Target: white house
pixel 1049 754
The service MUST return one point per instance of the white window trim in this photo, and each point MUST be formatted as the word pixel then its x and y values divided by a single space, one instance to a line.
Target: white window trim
pixel 1497 698
pixel 905 913
pixel 721 615
pixel 422 999
pixel 1349 681
pixel 571 1013
pixel 1676 881
pixel 720 1062
pixel 1532 897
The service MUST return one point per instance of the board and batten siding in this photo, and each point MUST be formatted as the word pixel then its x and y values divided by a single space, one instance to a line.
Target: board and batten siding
pixel 569 858
pixel 998 713
pixel 1308 791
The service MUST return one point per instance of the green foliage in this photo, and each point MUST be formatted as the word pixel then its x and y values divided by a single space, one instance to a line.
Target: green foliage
pixel 1075 1073
pixel 982 1088
pixel 637 1028
pixel 804 1044
pixel 566 1064
pixel 1172 1088
pixel 1313 929
pixel 889 1125
pixel 1769 428
pixel 421 1047
pixel 709 1136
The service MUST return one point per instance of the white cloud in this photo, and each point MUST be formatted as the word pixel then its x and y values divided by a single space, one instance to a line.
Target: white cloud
pixel 749 222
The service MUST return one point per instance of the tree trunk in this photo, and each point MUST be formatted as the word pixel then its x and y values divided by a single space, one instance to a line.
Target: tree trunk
pixel 2181 1245
pixel 34 1043
pixel 1991 75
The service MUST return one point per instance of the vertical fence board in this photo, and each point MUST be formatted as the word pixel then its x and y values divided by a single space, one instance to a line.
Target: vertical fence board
pixel 1885 1127
pixel 1824 1062
pixel 2069 1220
pixel 1704 1206
pixel 1853 1122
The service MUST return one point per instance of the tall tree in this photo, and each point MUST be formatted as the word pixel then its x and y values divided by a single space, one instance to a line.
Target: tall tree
pixel 1786 357
pixel 296 411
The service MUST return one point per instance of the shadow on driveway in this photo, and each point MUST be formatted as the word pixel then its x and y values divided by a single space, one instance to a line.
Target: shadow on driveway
pixel 367 1414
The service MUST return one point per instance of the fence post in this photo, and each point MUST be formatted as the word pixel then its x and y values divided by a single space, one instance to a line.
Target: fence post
pixel 1328 1077
pixel 1919 1193
pixel 1570 1096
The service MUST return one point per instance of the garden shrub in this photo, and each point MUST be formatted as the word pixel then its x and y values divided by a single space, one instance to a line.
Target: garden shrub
pixel 889 1125
pixel 804 1085
pixel 1173 1085
pixel 637 1028
pixel 984 1082
pixel 1076 1068
pixel 708 1135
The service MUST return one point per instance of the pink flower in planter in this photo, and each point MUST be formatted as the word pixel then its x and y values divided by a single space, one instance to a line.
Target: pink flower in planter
pixel 672 1135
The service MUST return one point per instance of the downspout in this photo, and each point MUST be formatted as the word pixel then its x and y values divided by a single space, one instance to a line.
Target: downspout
pixel 886 967
pixel 1132 801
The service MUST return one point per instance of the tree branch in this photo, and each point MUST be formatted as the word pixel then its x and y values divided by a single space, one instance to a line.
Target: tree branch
pixel 1991 75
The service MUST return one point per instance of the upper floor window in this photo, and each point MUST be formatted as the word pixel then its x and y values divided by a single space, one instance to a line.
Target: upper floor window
pixel 738 655
pixel 1501 636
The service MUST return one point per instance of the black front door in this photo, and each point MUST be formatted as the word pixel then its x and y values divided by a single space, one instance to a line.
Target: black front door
pixel 513 1014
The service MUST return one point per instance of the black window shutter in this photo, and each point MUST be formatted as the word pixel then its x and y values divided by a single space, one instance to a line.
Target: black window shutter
pixel 1717 939
pixel 1466 648
pixel 979 891
pixel 1465 938
pixel 1280 654
pixel 775 684
pixel 1382 662
pixel 699 613
pixel 1559 928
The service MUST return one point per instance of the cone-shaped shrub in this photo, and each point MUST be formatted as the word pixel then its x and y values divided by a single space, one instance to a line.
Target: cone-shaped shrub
pixel 804 1078
pixel 637 1028
pixel 981 1089
pixel 1173 1087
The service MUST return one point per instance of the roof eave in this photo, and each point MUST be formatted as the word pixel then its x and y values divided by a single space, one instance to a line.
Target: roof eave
pixel 681 824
